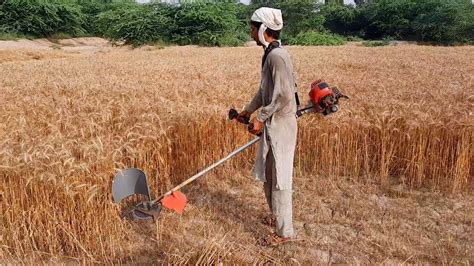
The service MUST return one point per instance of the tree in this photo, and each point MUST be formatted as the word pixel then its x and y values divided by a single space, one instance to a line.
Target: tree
pixel 360 2
pixel 335 2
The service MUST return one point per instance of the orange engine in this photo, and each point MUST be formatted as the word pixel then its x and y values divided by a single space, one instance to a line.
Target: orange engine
pixel 324 98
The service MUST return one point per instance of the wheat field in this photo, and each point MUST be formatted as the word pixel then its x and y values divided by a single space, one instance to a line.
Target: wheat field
pixel 387 179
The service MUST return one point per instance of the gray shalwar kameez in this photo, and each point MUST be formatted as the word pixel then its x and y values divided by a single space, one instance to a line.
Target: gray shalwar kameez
pixel 274 163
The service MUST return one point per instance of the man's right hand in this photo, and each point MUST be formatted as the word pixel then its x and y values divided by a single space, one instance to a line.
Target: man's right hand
pixel 244 117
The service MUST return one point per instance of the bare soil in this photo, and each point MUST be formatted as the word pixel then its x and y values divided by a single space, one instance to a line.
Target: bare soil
pixel 337 220
pixel 37 49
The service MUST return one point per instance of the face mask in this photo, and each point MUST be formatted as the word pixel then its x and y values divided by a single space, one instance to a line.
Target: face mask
pixel 261 37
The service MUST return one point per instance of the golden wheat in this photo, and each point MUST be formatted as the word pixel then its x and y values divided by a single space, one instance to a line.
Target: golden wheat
pixel 68 124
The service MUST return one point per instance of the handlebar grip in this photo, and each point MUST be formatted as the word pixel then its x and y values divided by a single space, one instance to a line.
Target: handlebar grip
pixel 233 114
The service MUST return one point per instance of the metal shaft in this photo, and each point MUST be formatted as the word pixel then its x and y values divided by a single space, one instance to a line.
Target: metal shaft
pixel 209 168
pixel 232 154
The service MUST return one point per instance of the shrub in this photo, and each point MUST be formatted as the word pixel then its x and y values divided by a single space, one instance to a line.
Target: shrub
pixel 384 42
pixel 354 38
pixel 13 36
pixel 136 24
pixel 342 19
pixel 92 8
pixel 41 18
pixel 208 24
pixel 317 38
pixel 435 21
pixel 225 23
pixel 424 20
pixel 300 15
pixel 444 22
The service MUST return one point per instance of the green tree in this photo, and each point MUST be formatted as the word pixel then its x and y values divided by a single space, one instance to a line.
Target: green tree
pixel 298 15
pixel 208 24
pixel 137 24
pixel 41 18
pixel 342 19
pixel 335 2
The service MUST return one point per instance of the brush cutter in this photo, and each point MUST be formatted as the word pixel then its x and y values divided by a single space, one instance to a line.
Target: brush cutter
pixel 128 182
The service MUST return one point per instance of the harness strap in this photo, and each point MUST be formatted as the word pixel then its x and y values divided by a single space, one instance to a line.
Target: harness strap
pixel 271 46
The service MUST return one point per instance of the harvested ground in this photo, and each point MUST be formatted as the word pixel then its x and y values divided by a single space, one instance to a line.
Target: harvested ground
pixel 47 44
pixel 337 221
pixel 38 49
pixel 30 54
pixel 388 179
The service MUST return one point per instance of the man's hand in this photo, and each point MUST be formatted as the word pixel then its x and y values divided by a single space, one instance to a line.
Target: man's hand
pixel 255 126
pixel 243 117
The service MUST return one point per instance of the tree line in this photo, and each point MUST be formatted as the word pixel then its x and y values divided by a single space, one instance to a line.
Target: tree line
pixel 225 23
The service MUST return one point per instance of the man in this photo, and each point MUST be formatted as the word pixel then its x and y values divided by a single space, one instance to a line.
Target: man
pixel 276 122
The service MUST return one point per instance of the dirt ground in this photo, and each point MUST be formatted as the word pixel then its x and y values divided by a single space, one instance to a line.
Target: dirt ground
pixel 338 220
pixel 37 49
pixel 64 44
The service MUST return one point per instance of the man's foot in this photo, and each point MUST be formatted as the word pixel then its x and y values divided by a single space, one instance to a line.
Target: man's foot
pixel 269 220
pixel 273 240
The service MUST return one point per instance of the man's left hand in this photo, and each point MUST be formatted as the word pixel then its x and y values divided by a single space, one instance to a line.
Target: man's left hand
pixel 256 126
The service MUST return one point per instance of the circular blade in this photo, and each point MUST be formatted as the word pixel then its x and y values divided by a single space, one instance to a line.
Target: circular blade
pixel 142 214
pixel 129 182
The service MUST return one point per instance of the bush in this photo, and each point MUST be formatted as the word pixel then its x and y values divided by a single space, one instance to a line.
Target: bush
pixel 225 23
pixel 436 21
pixel 444 22
pixel 351 38
pixel 342 19
pixel 387 18
pixel 6 36
pixel 198 23
pixel 41 18
pixel 92 8
pixel 316 38
pixel 298 16
pixel 383 42
pixel 136 24
pixel 208 24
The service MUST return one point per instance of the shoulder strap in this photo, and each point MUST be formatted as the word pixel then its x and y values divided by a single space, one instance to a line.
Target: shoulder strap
pixel 271 46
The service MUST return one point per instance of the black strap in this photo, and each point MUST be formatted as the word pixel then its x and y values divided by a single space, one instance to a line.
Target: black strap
pixel 271 46
pixel 296 95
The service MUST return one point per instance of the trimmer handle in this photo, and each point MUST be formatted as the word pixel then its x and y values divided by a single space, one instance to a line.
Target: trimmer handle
pixel 233 115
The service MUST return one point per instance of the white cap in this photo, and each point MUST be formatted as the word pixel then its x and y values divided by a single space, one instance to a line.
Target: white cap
pixel 270 17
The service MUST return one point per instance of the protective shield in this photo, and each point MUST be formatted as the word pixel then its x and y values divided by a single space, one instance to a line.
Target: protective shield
pixel 129 182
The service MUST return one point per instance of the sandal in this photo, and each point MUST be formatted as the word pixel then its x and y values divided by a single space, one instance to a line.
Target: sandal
pixel 273 240
pixel 269 220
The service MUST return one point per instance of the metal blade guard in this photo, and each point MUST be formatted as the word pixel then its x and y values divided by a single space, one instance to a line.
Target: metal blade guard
pixel 129 182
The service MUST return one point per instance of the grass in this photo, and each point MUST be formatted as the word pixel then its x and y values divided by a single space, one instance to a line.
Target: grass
pixel 9 36
pixel 377 43
pixel 315 38
pixel 387 179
